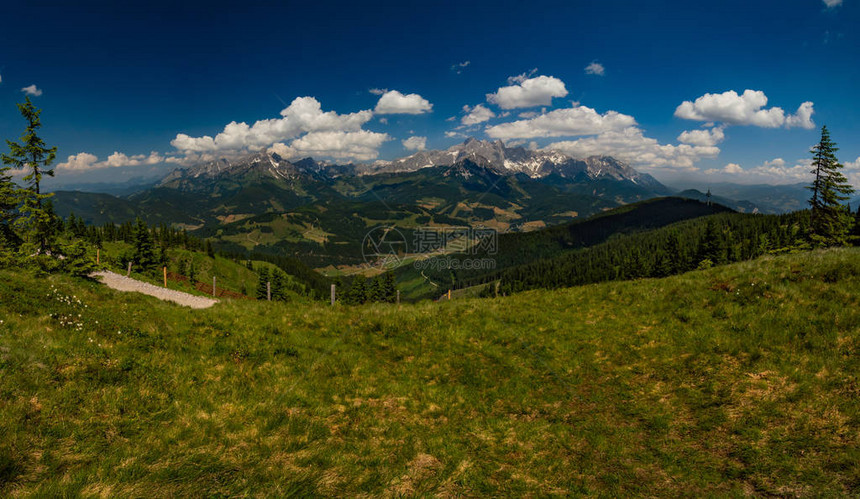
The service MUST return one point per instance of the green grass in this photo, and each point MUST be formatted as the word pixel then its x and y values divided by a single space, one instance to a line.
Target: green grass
pixel 737 380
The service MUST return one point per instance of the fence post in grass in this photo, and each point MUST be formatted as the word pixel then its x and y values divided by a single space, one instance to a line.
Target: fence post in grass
pixel 98 256
pixel 449 295
pixel 268 291
pixel 128 272
pixel 398 297
pixel 165 276
pixel 213 287
pixel 332 294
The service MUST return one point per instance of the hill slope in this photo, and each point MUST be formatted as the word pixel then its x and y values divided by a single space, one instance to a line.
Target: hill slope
pixel 737 380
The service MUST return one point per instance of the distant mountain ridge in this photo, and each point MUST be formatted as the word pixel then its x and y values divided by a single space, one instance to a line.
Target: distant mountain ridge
pixel 494 155
pixel 534 163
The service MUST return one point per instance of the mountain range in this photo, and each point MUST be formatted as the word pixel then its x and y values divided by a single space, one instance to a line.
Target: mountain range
pixel 321 211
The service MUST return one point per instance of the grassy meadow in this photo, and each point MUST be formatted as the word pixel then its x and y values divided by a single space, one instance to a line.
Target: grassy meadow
pixel 738 380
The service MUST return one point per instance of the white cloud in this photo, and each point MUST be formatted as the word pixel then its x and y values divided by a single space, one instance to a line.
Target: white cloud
pixel 803 117
pixel 32 90
pixel 453 134
pixel 79 162
pixel 303 115
pixel 732 168
pixel 394 102
pixel 361 145
pixel 775 171
pixel 631 145
pixel 378 91
pixel 516 80
pixel 595 68
pixel 567 122
pixel 1 78
pixel 528 92
pixel 477 114
pixel 282 150
pixel 832 3
pixel 85 161
pixel 706 137
pixel 460 67
pixel 415 143
pixel 746 109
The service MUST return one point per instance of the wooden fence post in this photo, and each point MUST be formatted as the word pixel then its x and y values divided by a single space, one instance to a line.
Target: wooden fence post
pixel 128 272
pixel 332 294
pixel 165 277
pixel 98 256
pixel 449 295
pixel 213 287
pixel 398 297
pixel 268 290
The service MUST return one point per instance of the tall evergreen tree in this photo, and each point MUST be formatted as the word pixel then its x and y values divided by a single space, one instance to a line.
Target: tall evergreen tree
pixel 262 280
pixel 278 289
pixel 144 254
pixel 34 157
pixel 830 220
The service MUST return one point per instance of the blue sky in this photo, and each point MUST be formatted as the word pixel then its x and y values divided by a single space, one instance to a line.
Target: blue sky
pixel 134 90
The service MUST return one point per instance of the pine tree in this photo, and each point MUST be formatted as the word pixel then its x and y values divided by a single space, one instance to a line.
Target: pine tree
pixel 32 156
pixel 374 290
pixel 357 292
pixel 262 280
pixel 389 288
pixel 144 254
pixel 830 219
pixel 192 274
pixel 278 291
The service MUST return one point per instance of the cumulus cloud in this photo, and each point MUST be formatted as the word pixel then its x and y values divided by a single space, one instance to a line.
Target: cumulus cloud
pixel 32 90
pixel 573 121
pixel 802 118
pixel 378 91
pixel 733 168
pixel 394 102
pixel 595 68
pixel 362 145
pixel 632 146
pixel 528 92
pixel 707 137
pixel 477 114
pixel 746 109
pixel 303 115
pixel 85 161
pixel 832 3
pixel 415 143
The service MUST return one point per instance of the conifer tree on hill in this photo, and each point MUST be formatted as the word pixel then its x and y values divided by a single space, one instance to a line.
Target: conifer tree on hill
pixel 831 220
pixel 144 252
pixel 34 157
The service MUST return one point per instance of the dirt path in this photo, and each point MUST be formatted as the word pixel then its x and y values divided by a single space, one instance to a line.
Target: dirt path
pixel 122 283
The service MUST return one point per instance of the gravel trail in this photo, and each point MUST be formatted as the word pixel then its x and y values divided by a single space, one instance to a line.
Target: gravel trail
pixel 122 283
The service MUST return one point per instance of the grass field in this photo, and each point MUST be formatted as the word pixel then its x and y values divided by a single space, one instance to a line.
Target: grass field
pixel 737 380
